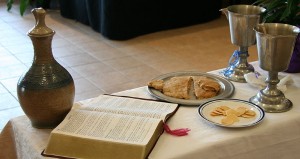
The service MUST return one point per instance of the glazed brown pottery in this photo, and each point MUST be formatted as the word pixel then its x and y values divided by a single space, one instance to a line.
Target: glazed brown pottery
pixel 46 91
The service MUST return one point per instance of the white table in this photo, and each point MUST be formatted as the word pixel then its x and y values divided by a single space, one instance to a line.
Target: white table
pixel 277 136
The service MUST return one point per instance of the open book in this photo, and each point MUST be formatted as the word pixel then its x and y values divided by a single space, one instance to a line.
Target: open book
pixel 109 127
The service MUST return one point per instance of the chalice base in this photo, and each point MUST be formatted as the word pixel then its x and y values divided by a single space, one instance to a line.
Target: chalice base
pixel 236 72
pixel 272 104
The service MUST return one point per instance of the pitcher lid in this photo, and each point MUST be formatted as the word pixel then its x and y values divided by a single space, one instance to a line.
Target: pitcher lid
pixel 40 28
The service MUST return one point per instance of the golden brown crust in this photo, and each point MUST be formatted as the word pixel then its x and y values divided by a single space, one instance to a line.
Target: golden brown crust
pixel 178 87
pixel 205 87
pixel 210 85
pixel 156 84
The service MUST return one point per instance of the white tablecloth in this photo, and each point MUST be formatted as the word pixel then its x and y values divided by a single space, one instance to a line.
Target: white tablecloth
pixel 277 136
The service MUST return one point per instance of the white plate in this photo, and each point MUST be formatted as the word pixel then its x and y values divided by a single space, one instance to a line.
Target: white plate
pixel 227 88
pixel 206 108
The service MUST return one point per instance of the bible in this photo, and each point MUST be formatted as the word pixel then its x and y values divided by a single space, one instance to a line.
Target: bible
pixel 110 127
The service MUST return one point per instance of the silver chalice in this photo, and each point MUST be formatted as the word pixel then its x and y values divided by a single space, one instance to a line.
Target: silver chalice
pixel 242 19
pixel 275 44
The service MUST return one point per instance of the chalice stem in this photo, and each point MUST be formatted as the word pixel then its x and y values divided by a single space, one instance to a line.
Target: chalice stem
pixel 243 56
pixel 272 81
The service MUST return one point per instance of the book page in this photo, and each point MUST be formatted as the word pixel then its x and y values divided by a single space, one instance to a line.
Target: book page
pixel 107 126
pixel 129 106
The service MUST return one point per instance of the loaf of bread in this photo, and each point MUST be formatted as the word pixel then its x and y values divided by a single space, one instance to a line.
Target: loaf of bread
pixel 180 86
pixel 205 87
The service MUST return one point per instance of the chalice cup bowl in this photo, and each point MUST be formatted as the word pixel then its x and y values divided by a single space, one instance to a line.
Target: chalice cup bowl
pixel 275 44
pixel 242 19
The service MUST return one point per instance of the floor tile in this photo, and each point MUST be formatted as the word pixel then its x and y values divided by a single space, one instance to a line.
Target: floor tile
pixel 9 60
pixel 123 63
pixel 171 66
pixel 107 54
pixel 77 37
pixel 92 68
pixel 7 101
pixel 141 72
pixel 108 79
pixel 2 89
pixel 73 73
pixel 10 84
pixel 137 48
pixel 94 46
pixel 60 42
pixel 14 94
pixel 6 115
pixel 89 94
pixel 154 56
pixel 20 46
pixel 4 52
pixel 78 59
pixel 121 87
pixel 82 85
pixel 13 71
pixel 65 51
pixel 25 57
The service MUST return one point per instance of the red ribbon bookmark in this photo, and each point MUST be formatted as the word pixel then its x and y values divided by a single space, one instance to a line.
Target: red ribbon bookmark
pixel 176 132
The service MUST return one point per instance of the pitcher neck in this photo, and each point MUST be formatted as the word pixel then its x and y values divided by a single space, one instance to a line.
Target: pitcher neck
pixel 42 49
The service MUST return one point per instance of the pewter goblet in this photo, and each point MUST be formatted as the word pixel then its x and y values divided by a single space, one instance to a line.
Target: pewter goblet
pixel 242 19
pixel 275 44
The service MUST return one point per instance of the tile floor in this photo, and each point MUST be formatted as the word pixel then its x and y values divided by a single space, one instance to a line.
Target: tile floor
pixel 99 65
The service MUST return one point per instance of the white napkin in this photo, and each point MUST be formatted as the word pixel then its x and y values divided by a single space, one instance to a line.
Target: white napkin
pixel 256 80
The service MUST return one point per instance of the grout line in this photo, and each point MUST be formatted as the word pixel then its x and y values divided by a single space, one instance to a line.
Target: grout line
pixel 9 92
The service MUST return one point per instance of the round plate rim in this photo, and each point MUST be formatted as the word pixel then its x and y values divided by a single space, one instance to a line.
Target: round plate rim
pixel 226 92
pixel 262 113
